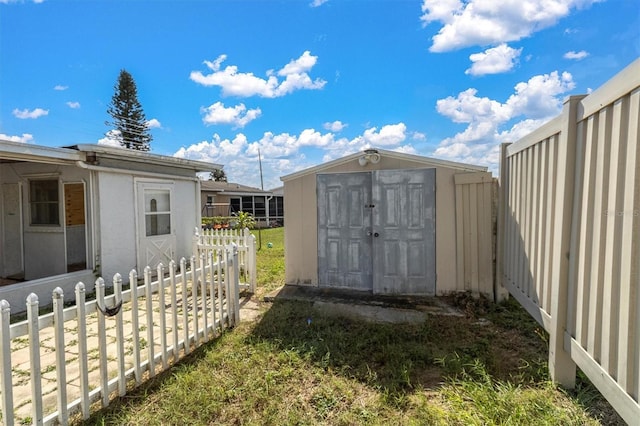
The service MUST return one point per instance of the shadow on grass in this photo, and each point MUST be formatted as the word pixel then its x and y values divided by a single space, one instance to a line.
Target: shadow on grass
pixel 396 358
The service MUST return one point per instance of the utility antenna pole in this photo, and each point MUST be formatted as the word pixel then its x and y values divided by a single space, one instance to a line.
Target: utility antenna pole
pixel 260 163
pixel 265 198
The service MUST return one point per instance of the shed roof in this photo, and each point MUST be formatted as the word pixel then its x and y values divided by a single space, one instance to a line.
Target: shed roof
pixel 426 161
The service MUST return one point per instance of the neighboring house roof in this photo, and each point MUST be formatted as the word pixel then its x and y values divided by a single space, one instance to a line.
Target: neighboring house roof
pixel 231 188
pixel 279 191
pixel 426 161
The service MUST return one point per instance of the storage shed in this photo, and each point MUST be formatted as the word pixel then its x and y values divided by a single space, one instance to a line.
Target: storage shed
pixel 390 223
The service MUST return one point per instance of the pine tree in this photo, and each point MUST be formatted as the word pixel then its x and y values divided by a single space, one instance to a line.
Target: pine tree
pixel 129 121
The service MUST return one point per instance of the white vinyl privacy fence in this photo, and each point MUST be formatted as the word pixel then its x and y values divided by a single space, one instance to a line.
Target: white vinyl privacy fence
pixel 569 237
pixel 54 365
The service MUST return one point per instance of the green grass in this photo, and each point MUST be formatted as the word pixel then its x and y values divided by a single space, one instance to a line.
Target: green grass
pixel 270 262
pixel 297 366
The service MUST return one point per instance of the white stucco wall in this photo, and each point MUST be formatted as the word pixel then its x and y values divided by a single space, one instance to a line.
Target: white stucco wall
pixel 116 226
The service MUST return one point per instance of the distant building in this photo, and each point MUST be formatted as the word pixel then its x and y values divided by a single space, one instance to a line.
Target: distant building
pixel 224 199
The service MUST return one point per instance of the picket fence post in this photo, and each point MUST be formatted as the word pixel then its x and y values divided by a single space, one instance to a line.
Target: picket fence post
pixel 174 307
pixel 102 341
pixel 135 325
pixel 251 251
pixel 194 303
pixel 117 292
pixel 203 296
pixel 212 291
pixel 148 295
pixel 61 369
pixel 82 349
pixel 196 241
pixel 6 382
pixel 185 307
pixel 163 318
pixel 34 358
pixel 235 284
pixel 220 307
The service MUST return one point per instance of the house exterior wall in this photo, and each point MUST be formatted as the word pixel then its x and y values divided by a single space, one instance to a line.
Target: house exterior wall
pixel 301 242
pixel 44 246
pixel 186 214
pixel 118 220
pixel 117 224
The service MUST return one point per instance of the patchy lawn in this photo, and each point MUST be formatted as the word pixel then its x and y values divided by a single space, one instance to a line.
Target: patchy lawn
pixel 297 366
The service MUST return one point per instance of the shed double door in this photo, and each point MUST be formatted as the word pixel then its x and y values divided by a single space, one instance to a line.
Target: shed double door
pixel 376 231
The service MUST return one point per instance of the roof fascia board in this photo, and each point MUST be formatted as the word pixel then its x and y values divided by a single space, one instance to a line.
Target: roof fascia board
pixel 27 152
pixel 147 157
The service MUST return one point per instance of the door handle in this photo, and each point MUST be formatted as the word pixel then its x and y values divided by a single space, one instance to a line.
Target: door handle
pixel 375 234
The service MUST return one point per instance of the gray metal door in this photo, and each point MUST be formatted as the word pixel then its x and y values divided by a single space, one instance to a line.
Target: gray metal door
pixel 344 221
pixel 404 242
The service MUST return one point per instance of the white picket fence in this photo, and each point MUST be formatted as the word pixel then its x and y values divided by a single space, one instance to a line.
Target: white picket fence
pixel 76 356
pixel 214 241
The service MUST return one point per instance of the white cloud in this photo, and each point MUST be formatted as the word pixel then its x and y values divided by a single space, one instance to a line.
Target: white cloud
pixel 238 116
pixel 389 135
pixel 494 60
pixel 35 113
pixel 234 83
pixel 154 123
pixel 25 138
pixel 576 55
pixel 418 136
pixel 487 22
pixel 283 153
pixel 537 101
pixel 317 3
pixel 335 127
pixel 60 87
pixel 112 138
pixel 73 105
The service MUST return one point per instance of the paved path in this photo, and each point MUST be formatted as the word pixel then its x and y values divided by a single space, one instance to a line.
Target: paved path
pixel 21 362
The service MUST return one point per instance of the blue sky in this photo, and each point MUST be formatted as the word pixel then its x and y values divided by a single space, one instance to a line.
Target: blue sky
pixel 307 81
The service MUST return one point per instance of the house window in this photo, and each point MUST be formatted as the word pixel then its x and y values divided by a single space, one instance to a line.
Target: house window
pixel 234 204
pixel 247 205
pixel 259 207
pixel 157 212
pixel 209 200
pixel 44 202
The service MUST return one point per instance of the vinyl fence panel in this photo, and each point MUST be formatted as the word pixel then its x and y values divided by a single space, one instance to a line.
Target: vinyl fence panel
pixel 570 236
